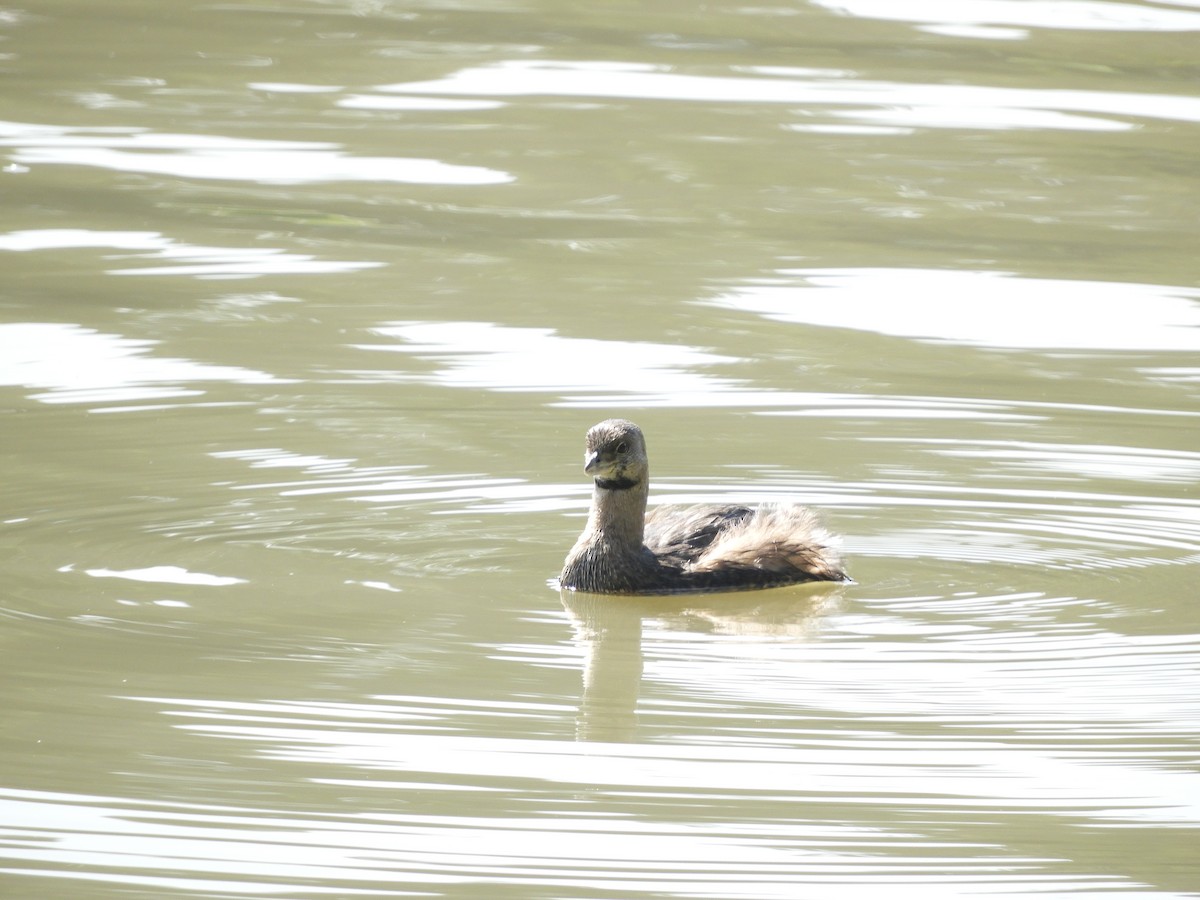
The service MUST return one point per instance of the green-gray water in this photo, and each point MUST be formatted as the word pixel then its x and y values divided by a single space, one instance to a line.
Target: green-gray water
pixel 306 306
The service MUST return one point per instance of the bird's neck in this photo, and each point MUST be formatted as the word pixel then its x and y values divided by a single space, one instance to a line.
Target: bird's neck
pixel 618 511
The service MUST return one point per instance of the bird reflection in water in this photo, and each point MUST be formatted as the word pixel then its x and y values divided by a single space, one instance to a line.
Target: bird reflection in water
pixel 609 631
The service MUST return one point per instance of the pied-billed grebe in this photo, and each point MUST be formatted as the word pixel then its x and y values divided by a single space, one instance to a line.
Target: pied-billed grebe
pixel 624 550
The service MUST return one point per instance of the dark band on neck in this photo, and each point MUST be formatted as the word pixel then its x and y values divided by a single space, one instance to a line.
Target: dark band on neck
pixel 616 484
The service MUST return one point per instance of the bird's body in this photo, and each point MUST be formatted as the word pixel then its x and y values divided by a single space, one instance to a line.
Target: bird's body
pixel 672 549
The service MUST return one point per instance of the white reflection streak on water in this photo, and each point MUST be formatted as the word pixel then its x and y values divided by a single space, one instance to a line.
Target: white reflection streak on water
pixel 162 575
pixel 497 357
pixel 926 105
pixel 202 262
pixel 485 355
pixel 474 355
pixel 223 158
pixel 415 104
pixel 1004 310
pixel 1083 15
pixel 79 365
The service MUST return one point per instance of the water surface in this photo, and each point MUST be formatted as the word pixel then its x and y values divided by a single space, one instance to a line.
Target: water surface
pixel 308 305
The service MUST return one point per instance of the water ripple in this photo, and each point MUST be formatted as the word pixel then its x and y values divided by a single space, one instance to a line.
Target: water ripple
pixel 736 804
pixel 247 850
pixel 1030 458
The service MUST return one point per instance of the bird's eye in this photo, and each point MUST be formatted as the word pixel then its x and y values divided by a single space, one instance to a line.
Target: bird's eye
pixel 622 447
